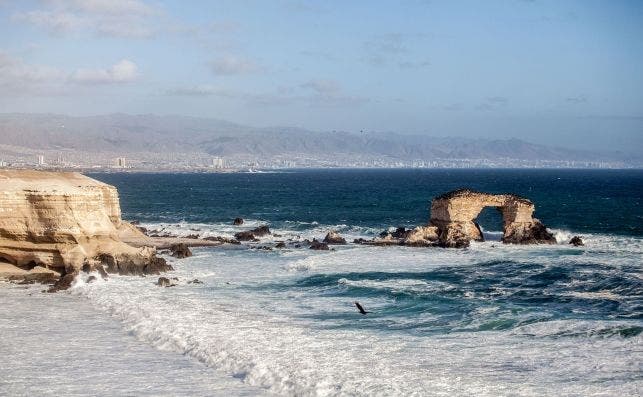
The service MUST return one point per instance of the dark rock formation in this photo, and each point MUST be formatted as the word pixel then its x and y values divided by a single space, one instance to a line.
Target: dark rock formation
pixel 91 279
pixel 317 245
pixel 195 281
pixel 237 221
pixel 164 282
pixel 64 282
pixel 125 265
pixel 251 235
pixel 334 238
pixel 222 239
pixel 576 241
pixel 180 251
pixel 280 244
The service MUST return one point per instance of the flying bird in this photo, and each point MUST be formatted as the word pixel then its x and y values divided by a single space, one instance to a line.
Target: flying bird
pixel 360 308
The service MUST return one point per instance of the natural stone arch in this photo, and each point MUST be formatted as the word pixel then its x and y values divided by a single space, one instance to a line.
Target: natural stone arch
pixel 454 215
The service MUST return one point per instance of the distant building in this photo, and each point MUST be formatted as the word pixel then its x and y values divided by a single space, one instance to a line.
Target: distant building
pixel 218 163
pixel 3 163
pixel 120 162
pixel 41 160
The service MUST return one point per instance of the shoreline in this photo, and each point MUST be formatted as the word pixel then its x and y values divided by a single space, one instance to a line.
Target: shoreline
pixel 36 340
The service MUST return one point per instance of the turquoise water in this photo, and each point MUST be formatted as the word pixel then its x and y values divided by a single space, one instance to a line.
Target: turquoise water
pixel 492 319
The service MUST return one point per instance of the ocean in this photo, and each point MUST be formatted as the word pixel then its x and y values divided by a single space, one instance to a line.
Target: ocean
pixel 489 320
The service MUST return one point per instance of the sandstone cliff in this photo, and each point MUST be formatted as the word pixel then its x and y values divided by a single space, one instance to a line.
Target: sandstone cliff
pixel 64 221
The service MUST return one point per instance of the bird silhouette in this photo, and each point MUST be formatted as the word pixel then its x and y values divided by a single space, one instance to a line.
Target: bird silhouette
pixel 360 308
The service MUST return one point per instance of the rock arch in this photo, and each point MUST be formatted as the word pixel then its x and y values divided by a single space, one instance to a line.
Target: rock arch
pixel 454 215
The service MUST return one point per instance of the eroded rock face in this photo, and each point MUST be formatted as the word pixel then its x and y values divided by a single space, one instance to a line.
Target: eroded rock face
pixel 453 215
pixel 62 221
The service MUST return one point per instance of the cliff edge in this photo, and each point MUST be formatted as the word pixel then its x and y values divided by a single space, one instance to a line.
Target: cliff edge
pixel 64 222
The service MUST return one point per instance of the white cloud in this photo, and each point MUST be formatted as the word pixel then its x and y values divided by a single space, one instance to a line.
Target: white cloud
pixel 111 7
pixel 56 21
pixel 17 76
pixel 117 18
pixel 230 64
pixel 123 71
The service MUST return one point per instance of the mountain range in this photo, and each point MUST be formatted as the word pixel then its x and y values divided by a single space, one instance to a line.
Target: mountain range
pixel 125 134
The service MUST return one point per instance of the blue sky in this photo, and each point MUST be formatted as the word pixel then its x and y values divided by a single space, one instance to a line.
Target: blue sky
pixel 560 72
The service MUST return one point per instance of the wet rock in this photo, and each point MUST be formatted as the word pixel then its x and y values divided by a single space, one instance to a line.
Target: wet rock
pixel 576 241
pixel 237 221
pixel 224 240
pixel 91 279
pixel 280 244
pixel 126 265
pixel 360 241
pixel 421 236
pixel 251 235
pixel 195 281
pixel 95 267
pixel 334 238
pixel 318 245
pixel 192 236
pixel 156 266
pixel 164 282
pixel 64 282
pixel 180 251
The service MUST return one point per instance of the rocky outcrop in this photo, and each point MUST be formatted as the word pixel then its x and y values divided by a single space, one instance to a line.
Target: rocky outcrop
pixel 318 245
pixel 237 221
pixel 180 251
pixel 576 241
pixel 62 221
pixel 333 237
pixel 250 235
pixel 454 214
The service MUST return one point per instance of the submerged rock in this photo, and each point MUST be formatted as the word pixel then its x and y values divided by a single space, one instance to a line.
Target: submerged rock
pixel 334 238
pixel 64 282
pixel 225 240
pixel 280 244
pixel 195 281
pixel 164 282
pixel 317 245
pixel 180 251
pixel 237 221
pixel 576 241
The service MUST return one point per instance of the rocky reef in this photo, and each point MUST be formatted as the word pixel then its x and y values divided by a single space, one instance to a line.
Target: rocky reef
pixel 64 222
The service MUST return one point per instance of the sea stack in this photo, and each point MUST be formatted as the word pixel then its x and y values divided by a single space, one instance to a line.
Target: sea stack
pixel 454 214
pixel 62 222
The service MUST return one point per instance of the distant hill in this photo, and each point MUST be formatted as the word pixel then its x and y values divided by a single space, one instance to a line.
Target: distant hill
pixel 121 133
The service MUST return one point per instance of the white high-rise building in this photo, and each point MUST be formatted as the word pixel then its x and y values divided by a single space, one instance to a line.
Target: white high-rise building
pixel 3 163
pixel 121 162
pixel 41 160
pixel 218 162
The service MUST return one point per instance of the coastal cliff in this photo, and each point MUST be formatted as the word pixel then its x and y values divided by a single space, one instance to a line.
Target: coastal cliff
pixel 64 222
